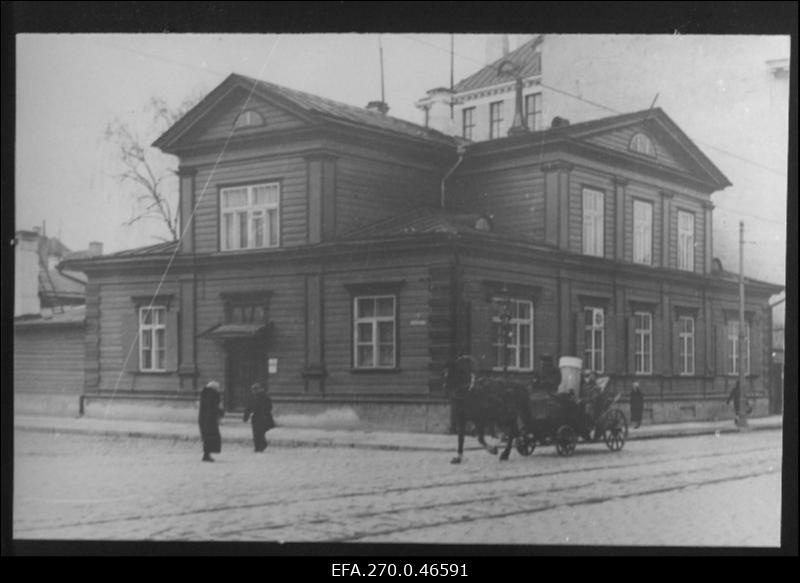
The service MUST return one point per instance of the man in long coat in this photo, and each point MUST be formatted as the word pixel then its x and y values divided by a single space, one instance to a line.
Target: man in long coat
pixel 260 409
pixel 637 405
pixel 208 419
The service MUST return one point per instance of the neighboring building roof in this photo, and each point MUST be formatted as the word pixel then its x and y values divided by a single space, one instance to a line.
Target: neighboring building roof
pixel 71 316
pixel 65 285
pixel 523 57
pixel 580 131
pixel 306 103
pixel 166 248
pixel 55 247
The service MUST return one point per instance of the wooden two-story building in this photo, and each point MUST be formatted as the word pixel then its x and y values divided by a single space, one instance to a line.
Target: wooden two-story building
pixel 343 257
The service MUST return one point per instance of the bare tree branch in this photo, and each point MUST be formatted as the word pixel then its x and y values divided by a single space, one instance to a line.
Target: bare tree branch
pixel 147 176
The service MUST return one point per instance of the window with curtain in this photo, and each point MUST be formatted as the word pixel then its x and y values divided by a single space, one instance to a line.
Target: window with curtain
pixel 594 339
pixel 593 210
pixel 374 332
pixel 685 241
pixel 519 350
pixel 642 232
pixel 152 339
pixel 249 217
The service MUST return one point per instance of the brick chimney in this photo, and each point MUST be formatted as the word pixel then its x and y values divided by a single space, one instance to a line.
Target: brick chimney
pixel 378 107
pixel 436 108
pixel 95 248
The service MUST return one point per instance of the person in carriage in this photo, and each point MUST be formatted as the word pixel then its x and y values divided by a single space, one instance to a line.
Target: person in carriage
pixel 548 377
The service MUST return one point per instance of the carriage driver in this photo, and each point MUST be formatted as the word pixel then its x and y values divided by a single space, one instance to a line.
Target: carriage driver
pixel 548 377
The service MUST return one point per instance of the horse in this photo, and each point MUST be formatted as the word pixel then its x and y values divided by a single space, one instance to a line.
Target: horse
pixel 488 403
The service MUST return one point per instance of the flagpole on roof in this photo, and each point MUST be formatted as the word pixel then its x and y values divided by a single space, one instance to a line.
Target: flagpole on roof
pixel 380 47
pixel 452 85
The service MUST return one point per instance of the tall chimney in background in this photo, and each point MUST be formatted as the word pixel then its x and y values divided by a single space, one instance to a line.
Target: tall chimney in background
pixel 26 273
pixel 496 47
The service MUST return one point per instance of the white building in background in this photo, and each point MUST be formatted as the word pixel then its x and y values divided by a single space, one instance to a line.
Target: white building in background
pixel 739 116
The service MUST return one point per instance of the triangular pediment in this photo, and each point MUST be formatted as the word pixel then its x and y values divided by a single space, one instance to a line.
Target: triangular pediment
pixel 215 117
pixel 652 139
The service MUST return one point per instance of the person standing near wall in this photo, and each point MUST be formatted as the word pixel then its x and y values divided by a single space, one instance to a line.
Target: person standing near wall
pixel 208 419
pixel 637 405
pixel 259 411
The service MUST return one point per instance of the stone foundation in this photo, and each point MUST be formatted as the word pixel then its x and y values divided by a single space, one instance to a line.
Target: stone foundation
pixel 424 417
pixel 421 416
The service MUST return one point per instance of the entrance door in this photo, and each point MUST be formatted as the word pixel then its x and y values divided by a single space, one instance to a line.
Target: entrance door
pixel 246 364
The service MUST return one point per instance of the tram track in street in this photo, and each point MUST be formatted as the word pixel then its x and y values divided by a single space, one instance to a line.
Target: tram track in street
pixel 544 508
pixel 476 502
pixel 410 489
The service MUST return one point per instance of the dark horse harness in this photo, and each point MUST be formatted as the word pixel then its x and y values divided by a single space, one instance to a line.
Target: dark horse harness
pixel 489 403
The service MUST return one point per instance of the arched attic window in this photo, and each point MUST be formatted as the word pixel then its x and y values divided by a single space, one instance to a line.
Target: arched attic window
pixel 641 144
pixel 248 119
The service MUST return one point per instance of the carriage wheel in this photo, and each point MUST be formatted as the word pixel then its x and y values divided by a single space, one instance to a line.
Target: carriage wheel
pixel 566 438
pixel 526 443
pixel 616 430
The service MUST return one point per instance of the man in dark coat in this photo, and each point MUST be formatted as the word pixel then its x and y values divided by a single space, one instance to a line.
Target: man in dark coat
pixel 548 377
pixel 208 418
pixel 735 397
pixel 637 405
pixel 260 410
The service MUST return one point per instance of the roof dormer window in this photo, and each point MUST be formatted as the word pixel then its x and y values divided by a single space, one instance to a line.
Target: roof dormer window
pixel 641 144
pixel 248 119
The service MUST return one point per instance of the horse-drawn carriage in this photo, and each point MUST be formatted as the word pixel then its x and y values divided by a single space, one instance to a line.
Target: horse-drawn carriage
pixel 582 409
pixel 590 417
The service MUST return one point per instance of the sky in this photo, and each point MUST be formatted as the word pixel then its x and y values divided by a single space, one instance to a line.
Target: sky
pixel 70 86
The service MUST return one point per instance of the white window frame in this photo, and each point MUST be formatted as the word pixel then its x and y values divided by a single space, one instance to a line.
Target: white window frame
pixel 593 222
pixel 733 347
pixel 231 216
pixel 516 348
pixel 685 240
pixel 643 343
pixel 686 336
pixel 468 129
pixel 149 342
pixel 374 342
pixel 533 115
pixel 642 144
pixel 248 119
pixel 594 336
pixel 495 107
pixel 642 232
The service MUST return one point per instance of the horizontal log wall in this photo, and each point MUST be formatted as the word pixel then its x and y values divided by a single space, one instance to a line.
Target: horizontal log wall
pixel 49 359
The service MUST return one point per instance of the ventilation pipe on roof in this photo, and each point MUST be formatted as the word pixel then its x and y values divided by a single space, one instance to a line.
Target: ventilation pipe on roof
pixel 461 150
pixel 378 107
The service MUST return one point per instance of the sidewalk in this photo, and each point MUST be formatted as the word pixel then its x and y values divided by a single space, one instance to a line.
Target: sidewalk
pixel 235 431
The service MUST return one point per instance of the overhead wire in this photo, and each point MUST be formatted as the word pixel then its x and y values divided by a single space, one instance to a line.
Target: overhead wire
pixel 188 224
pixel 601 106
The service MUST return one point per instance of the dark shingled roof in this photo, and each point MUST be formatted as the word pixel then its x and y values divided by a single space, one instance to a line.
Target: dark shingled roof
pixel 349 113
pixel 71 316
pixel 525 57
pixel 167 248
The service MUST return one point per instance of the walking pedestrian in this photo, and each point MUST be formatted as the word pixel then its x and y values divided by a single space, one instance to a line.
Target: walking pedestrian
pixel 735 397
pixel 259 411
pixel 637 406
pixel 208 419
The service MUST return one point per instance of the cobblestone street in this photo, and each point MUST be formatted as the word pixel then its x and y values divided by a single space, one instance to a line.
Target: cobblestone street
pixel 720 490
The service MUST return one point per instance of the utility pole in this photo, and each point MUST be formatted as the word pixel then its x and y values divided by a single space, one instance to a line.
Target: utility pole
pixel 741 405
